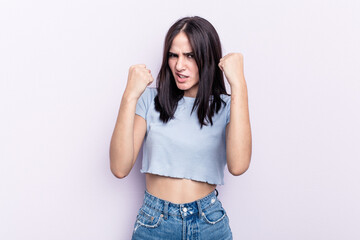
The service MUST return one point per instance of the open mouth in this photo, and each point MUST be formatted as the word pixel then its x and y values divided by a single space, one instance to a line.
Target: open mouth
pixel 181 76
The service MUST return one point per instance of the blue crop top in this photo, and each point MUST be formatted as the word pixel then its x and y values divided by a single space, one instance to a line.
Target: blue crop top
pixel 179 148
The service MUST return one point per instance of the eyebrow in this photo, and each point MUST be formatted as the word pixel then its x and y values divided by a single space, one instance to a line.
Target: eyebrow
pixel 183 53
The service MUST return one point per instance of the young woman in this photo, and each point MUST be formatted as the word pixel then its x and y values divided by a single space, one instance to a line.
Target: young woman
pixel 191 129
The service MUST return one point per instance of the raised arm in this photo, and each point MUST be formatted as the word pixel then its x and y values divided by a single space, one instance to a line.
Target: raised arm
pixel 238 131
pixel 130 129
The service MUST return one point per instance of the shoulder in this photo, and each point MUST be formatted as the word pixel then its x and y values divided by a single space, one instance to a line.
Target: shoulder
pixel 152 90
pixel 149 93
pixel 226 98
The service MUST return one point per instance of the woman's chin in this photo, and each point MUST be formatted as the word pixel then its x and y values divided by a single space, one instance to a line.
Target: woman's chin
pixel 181 86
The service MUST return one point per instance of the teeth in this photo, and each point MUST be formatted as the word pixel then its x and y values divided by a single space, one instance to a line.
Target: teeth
pixel 182 76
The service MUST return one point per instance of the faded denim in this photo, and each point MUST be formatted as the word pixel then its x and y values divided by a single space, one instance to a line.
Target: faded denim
pixel 201 219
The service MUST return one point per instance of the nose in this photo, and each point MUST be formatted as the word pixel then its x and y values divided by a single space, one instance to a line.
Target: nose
pixel 180 64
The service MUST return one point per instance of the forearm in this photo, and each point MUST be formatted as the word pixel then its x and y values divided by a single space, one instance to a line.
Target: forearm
pixel 122 141
pixel 239 142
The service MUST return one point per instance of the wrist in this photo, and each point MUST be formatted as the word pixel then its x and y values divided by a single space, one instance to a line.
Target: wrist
pixel 238 85
pixel 129 97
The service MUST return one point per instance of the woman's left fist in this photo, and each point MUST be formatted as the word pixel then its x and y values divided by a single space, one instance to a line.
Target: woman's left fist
pixel 232 65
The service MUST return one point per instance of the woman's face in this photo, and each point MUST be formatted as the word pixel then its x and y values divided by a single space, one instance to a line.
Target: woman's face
pixel 183 65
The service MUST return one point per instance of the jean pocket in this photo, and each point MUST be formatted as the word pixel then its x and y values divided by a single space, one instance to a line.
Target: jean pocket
pixel 148 220
pixel 214 214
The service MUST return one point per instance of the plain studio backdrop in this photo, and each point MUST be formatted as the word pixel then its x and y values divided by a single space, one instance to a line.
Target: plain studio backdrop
pixel 63 70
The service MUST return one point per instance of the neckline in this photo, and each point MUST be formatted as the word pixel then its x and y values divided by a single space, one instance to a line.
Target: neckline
pixel 192 98
pixel 187 100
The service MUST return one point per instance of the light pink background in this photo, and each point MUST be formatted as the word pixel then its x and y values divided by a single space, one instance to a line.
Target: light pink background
pixel 63 69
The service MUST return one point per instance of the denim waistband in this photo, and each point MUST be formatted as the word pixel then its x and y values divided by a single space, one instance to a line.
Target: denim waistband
pixel 167 208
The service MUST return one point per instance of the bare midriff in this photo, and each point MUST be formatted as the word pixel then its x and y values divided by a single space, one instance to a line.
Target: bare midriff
pixel 177 190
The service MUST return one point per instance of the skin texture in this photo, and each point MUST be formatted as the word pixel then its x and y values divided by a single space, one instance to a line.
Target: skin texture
pixel 130 128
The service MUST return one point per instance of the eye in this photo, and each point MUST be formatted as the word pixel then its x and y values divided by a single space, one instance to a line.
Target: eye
pixel 171 55
pixel 190 55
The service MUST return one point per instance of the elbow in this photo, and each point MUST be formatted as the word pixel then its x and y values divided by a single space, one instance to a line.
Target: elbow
pixel 238 171
pixel 119 175
pixel 118 171
pixel 118 165
pixel 239 165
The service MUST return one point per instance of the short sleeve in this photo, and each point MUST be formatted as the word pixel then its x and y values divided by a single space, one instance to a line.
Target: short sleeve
pixel 143 103
pixel 227 108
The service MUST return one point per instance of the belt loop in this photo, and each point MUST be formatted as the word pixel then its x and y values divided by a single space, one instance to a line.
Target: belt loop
pixel 166 205
pixel 217 193
pixel 199 208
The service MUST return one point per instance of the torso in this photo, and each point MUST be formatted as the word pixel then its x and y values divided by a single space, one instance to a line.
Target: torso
pixel 177 190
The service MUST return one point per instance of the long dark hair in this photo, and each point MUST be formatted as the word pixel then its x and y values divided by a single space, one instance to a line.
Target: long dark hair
pixel 206 46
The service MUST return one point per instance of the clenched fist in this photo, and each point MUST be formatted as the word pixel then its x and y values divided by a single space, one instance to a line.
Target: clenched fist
pixel 138 79
pixel 233 67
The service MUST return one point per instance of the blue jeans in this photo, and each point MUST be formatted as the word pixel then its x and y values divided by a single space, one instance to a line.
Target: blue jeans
pixel 201 219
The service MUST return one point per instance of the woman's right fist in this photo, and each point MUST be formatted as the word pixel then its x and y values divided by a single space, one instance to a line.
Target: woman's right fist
pixel 138 79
